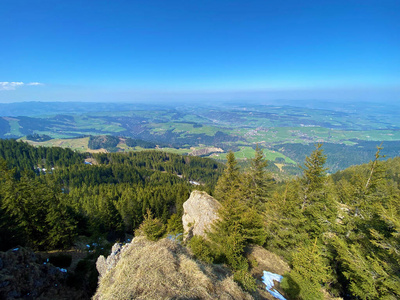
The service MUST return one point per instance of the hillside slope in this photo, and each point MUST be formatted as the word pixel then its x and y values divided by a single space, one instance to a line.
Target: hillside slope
pixel 165 270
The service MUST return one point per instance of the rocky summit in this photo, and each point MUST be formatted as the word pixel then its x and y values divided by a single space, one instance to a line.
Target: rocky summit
pixel 165 270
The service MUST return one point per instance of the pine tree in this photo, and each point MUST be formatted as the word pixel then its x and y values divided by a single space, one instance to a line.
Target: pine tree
pixel 237 226
pixel 229 181
pixel 26 204
pixel 258 182
pixel 314 175
pixel 151 227
pixel 308 274
pixel 61 223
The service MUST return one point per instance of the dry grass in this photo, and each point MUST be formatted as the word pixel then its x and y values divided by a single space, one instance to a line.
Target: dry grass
pixel 165 270
pixel 266 261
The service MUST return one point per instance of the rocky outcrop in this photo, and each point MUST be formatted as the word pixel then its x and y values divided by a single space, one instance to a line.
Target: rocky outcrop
pixel 24 274
pixel 199 211
pixel 205 151
pixel 103 264
pixel 165 270
pixel 265 260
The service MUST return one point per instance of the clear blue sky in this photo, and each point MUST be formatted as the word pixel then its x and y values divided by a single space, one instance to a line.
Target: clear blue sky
pixel 88 50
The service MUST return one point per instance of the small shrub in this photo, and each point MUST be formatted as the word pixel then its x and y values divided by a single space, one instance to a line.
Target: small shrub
pixel 61 260
pixel 244 278
pixel 253 263
pixel 201 249
pixel 174 225
pixel 297 288
pixel 151 227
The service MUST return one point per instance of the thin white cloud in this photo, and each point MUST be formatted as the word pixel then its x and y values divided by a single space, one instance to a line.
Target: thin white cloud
pixel 10 86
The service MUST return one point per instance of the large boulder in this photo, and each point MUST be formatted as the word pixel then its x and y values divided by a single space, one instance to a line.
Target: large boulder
pixel 199 211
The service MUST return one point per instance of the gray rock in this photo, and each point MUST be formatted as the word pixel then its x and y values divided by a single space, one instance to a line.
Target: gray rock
pixel 199 211
pixel 104 264
pixel 101 265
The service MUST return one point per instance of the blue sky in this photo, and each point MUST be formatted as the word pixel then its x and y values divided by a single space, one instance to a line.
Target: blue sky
pixel 115 50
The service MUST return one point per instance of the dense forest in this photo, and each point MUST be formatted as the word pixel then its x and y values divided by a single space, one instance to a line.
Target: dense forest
pixel 49 195
pixel 340 232
pixel 108 142
pixel 340 156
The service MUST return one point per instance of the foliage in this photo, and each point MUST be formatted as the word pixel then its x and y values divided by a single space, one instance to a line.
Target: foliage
pixel 308 274
pixel 46 209
pixel 139 143
pixel 174 224
pixel 22 156
pixel 39 212
pixel 239 223
pixel 351 217
pixel 201 249
pixel 258 182
pixel 108 142
pixel 244 278
pixel 38 137
pixel 229 180
pixel 151 227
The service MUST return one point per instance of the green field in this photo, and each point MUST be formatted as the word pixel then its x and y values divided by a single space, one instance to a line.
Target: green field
pixel 14 127
pixel 246 153
pixel 80 144
pixel 182 128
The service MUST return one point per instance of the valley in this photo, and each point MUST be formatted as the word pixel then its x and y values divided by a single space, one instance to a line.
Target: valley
pixel 350 131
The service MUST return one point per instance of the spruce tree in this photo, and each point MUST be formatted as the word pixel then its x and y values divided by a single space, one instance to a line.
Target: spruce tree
pixel 314 175
pixel 308 274
pixel 258 182
pixel 229 181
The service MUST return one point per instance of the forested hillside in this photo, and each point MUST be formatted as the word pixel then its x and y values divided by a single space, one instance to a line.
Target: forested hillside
pixel 340 233
pixel 49 195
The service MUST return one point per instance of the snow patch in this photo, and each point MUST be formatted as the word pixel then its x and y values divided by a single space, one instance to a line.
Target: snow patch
pixel 268 278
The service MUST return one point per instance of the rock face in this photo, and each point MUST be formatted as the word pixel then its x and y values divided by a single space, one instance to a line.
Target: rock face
pixel 205 151
pixel 103 264
pixel 199 211
pixel 266 261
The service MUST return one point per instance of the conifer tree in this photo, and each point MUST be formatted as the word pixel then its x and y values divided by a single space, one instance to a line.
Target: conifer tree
pixel 61 223
pixel 237 226
pixel 151 227
pixel 258 182
pixel 308 274
pixel 24 202
pixel 314 175
pixel 229 181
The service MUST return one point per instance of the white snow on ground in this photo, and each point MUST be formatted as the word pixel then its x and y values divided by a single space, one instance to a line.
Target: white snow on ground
pixel 268 279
